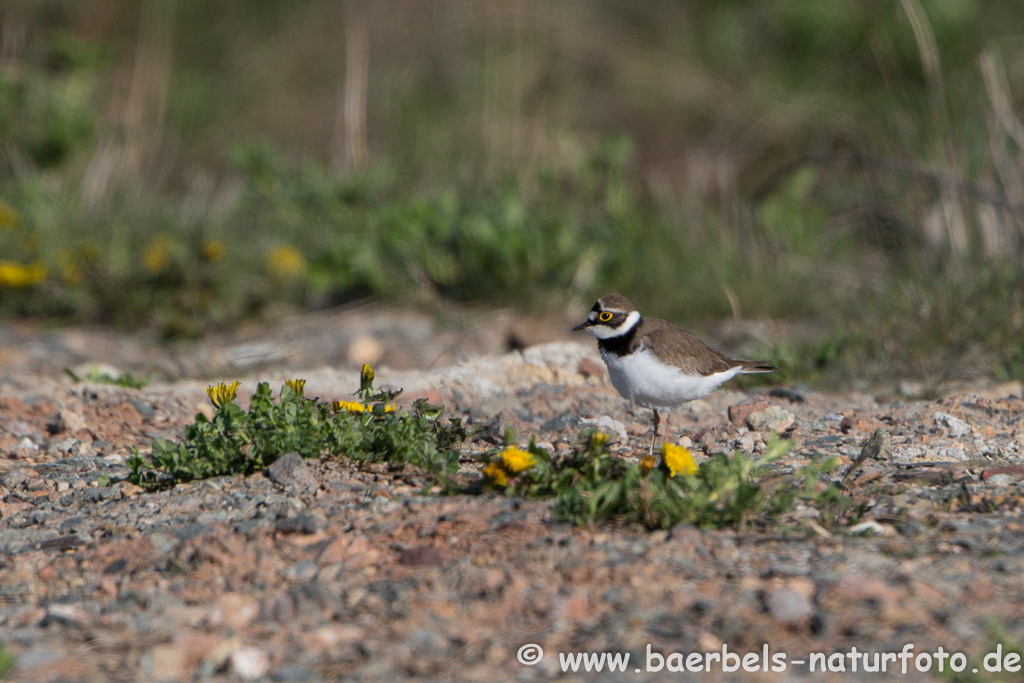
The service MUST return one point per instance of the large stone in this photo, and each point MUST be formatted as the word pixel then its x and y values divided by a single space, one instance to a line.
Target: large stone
pixel 292 472
pixel 611 427
pixel 66 420
pixel 954 426
pixel 739 413
pixel 877 447
pixel 771 419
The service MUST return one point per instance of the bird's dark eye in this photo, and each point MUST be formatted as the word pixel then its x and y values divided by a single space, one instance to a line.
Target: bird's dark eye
pixel 605 316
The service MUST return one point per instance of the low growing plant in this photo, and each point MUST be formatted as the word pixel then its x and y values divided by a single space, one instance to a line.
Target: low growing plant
pixel 588 484
pixel 235 441
pixel 724 490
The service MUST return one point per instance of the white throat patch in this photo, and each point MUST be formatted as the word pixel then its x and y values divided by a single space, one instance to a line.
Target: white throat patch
pixel 605 332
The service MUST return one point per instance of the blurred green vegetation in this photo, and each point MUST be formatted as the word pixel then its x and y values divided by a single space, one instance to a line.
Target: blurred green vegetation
pixel 857 162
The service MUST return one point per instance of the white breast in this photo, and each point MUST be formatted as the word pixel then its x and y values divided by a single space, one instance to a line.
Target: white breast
pixel 642 378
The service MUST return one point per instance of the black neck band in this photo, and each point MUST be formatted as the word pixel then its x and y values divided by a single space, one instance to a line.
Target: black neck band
pixel 619 346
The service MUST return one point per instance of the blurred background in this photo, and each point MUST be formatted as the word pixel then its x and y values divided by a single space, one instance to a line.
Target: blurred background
pixel 853 167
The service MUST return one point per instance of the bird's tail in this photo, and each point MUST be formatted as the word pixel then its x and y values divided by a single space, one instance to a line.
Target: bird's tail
pixel 754 366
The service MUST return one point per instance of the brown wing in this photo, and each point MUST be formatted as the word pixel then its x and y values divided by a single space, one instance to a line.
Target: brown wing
pixel 680 348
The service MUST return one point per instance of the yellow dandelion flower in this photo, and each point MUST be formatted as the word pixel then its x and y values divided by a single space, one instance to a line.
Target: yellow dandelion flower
pixel 366 377
pixel 350 406
pixel 647 463
pixel 8 217
pixel 213 251
pixel 16 276
pixel 516 460
pixel 285 263
pixel 496 474
pixel 678 460
pixel 157 254
pixel 598 439
pixel 383 407
pixel 296 385
pixel 223 393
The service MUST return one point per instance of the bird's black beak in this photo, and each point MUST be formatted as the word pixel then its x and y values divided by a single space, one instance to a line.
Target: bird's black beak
pixel 582 326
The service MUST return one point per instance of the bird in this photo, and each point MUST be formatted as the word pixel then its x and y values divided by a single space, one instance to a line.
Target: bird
pixel 655 364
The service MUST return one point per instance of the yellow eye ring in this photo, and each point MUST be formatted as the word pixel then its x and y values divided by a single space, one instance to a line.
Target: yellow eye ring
pixel 605 316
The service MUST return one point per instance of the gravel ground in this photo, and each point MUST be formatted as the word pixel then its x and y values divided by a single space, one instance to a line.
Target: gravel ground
pixel 323 571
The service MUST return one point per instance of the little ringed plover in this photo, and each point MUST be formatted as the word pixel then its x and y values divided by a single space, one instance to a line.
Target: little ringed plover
pixel 655 364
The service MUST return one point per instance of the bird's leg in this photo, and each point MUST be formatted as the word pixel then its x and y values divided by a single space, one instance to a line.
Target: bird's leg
pixel 657 420
pixel 668 426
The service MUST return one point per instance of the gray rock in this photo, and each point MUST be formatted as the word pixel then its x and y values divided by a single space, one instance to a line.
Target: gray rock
pixel 745 443
pixel 15 477
pixel 951 454
pixel 557 424
pixel 99 494
pixel 248 526
pixel 954 426
pixel 26 444
pixel 291 472
pixel 878 446
pixel 162 542
pixel 189 530
pixel 911 528
pixel 771 419
pixel 824 442
pixel 788 606
pixel 608 426
pixel 66 420
pixel 303 523
pixel 74 465
pixel 63 447
pixel 145 408
pixel 20 428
